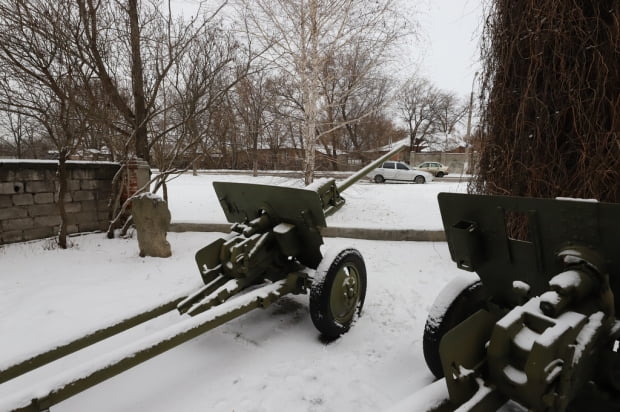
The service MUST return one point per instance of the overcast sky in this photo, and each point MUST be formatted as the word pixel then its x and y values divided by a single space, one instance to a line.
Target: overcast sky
pixel 450 32
pixel 447 49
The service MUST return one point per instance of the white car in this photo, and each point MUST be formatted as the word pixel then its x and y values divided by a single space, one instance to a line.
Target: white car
pixel 399 171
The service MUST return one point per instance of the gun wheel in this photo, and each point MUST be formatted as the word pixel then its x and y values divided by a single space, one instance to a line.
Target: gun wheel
pixel 609 370
pixel 337 292
pixel 458 300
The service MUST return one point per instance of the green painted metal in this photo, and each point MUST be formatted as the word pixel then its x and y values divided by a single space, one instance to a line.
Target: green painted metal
pixel 552 225
pixel 60 351
pixel 276 230
pixel 259 210
pixel 151 346
pixel 545 339
pixel 345 292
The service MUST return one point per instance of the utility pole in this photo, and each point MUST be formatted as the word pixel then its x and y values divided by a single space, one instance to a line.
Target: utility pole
pixel 468 151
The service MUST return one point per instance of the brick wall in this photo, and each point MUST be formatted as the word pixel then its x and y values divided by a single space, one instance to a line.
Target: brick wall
pixel 28 208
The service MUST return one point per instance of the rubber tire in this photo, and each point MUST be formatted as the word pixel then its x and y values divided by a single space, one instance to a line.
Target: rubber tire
pixel 440 174
pixel 379 179
pixel 332 325
pixel 468 300
pixel 419 179
pixel 609 370
pixel 606 388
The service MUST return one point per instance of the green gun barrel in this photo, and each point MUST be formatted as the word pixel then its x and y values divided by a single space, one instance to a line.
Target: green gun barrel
pixel 367 169
pixel 329 191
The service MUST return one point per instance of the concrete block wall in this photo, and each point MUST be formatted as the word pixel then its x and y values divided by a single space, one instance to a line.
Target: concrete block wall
pixel 28 198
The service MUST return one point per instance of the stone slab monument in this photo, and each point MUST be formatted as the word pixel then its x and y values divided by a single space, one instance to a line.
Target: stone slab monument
pixel 152 219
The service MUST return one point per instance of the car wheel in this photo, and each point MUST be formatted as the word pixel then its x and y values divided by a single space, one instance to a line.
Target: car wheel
pixel 440 174
pixel 379 179
pixel 419 179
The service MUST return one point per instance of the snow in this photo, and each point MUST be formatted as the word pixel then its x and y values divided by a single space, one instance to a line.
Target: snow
pixel 577 199
pixel 569 281
pixel 152 196
pixel 54 162
pixel 587 335
pixel 447 295
pixel 571 257
pixel 482 392
pixel 521 287
pixel 516 376
pixel 369 205
pixel 265 360
pixel 524 339
pixel 283 228
pixel 317 184
pixel 22 399
pixel 431 396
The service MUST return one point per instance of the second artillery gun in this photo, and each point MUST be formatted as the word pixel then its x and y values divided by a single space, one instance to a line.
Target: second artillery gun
pixel 276 237
pixel 538 324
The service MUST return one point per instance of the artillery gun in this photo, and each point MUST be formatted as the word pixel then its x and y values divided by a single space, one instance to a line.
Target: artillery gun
pixel 276 235
pixel 274 249
pixel 537 325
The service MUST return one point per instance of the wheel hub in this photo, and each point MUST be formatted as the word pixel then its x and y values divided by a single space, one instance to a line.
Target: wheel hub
pixel 349 285
pixel 345 294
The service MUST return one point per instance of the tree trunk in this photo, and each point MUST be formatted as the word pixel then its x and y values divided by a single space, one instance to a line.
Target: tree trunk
pixel 115 202
pixel 334 158
pixel 137 84
pixel 255 154
pixel 310 143
pixel 311 85
pixel 61 174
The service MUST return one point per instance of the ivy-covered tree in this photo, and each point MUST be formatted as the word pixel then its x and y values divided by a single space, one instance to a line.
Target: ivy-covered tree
pixel 551 100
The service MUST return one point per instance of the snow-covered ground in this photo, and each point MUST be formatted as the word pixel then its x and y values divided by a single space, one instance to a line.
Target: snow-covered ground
pixel 267 360
pixel 368 205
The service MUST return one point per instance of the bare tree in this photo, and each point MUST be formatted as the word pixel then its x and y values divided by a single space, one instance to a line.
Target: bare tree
pixel 378 130
pixel 450 112
pixel 276 116
pixel 20 134
pixel 132 46
pixel 43 80
pixel 352 92
pixel 56 113
pixel 304 35
pixel 122 69
pixel 194 90
pixel 251 105
pixel 417 103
